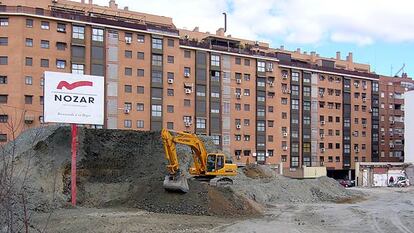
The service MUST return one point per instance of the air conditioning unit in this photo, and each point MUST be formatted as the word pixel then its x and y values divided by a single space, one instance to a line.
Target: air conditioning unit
pixel 370 110
pixel 285 148
pixel 356 150
pixel 392 146
pixel 285 134
pixel 392 122
pixel 322 135
pixel 187 91
pixel 271 84
pixel 321 95
pixel 238 126
pixel 322 122
pixel 356 85
pixel 170 81
pixel 284 75
pixel 127 110
pixel 364 125
pixel 187 124
pixel 364 100
pixel 365 87
pixel 128 40
pixel 238 81
pixel 322 150
pixel 238 95
pixel 187 75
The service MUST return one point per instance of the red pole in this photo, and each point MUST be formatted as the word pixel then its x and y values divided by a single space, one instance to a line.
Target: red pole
pixel 73 165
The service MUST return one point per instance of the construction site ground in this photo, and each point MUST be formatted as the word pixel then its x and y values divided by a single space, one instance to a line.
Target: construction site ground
pixel 120 176
pixel 382 210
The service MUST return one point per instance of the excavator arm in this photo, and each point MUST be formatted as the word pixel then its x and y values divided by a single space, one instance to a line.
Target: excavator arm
pixel 191 140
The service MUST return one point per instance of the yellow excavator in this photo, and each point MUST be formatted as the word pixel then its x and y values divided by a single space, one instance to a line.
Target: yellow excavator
pixel 206 166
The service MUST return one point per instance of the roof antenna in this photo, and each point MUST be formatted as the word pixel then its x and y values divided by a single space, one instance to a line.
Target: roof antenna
pixel 225 21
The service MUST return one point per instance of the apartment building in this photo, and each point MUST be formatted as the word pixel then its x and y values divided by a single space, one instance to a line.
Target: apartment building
pixel 260 104
pixel 392 116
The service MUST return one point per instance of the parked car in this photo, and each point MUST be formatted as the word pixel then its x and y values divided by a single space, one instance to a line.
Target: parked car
pixel 402 181
pixel 347 183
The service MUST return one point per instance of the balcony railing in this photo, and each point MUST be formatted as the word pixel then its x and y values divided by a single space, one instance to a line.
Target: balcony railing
pixel 91 18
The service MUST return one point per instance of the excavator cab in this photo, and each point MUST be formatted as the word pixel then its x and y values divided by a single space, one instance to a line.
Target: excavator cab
pixel 215 162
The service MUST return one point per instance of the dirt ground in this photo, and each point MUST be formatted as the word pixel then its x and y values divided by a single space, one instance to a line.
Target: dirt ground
pixel 384 210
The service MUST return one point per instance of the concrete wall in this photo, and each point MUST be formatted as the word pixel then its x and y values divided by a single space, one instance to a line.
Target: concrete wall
pixel 409 127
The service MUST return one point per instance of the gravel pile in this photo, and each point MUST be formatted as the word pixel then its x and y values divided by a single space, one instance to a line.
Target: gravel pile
pixel 277 189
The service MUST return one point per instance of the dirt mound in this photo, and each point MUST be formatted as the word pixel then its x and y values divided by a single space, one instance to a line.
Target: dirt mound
pixel 119 168
pixel 255 171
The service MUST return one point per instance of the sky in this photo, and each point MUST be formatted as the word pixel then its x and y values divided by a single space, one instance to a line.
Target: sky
pixel 378 32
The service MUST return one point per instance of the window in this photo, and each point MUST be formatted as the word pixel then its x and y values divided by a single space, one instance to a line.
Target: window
pixel 156 76
pixel 78 32
pixel 140 72
pixel 4 22
pixel 140 124
pixel 170 108
pixel 4 41
pixel 246 138
pixel 61 27
pixel 156 43
pixel 215 60
pixel 29 42
pixel 127 106
pixel 170 43
pixel 3 137
pixel 270 123
pixel 140 89
pixel 295 104
pixel 238 60
pixel 44 44
pixel 28 99
pixel 216 139
pixel 97 34
pixel 261 126
pixel 44 25
pixel 140 107
pixel 261 66
pixel 246 107
pixel 294 161
pixel 4 118
pixel 61 46
pixel 127 124
pixel 3 99
pixel 3 79
pixel 60 64
pixel 170 125
pixel 44 63
pixel 156 60
pixel 246 92
pixel 307 105
pixel 200 123
pixel 170 59
pixel 187 71
pixel 128 88
pixel 78 68
pixel 237 137
pixel 295 76
pixel 187 103
pixel 28 80
pixel 247 62
pixel 187 53
pixel 170 92
pixel 156 110
pixel 140 38
pixel 140 55
pixel 4 60
pixel 128 54
pixel 29 23
pixel 237 107
pixel 128 71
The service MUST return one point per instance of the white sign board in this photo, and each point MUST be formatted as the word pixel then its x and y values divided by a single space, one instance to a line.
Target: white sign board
pixel 409 127
pixel 73 98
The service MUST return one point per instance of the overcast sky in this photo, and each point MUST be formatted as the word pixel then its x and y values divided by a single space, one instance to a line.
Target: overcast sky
pixel 378 32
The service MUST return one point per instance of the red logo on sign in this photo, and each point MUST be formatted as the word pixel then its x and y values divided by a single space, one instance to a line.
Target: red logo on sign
pixel 71 86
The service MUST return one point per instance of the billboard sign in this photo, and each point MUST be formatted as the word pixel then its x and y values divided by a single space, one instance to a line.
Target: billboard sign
pixel 73 98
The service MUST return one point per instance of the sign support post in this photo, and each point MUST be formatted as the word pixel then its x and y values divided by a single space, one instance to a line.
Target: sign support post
pixel 74 129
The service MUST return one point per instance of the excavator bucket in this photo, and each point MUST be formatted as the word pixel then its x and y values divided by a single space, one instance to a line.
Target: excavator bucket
pixel 176 183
